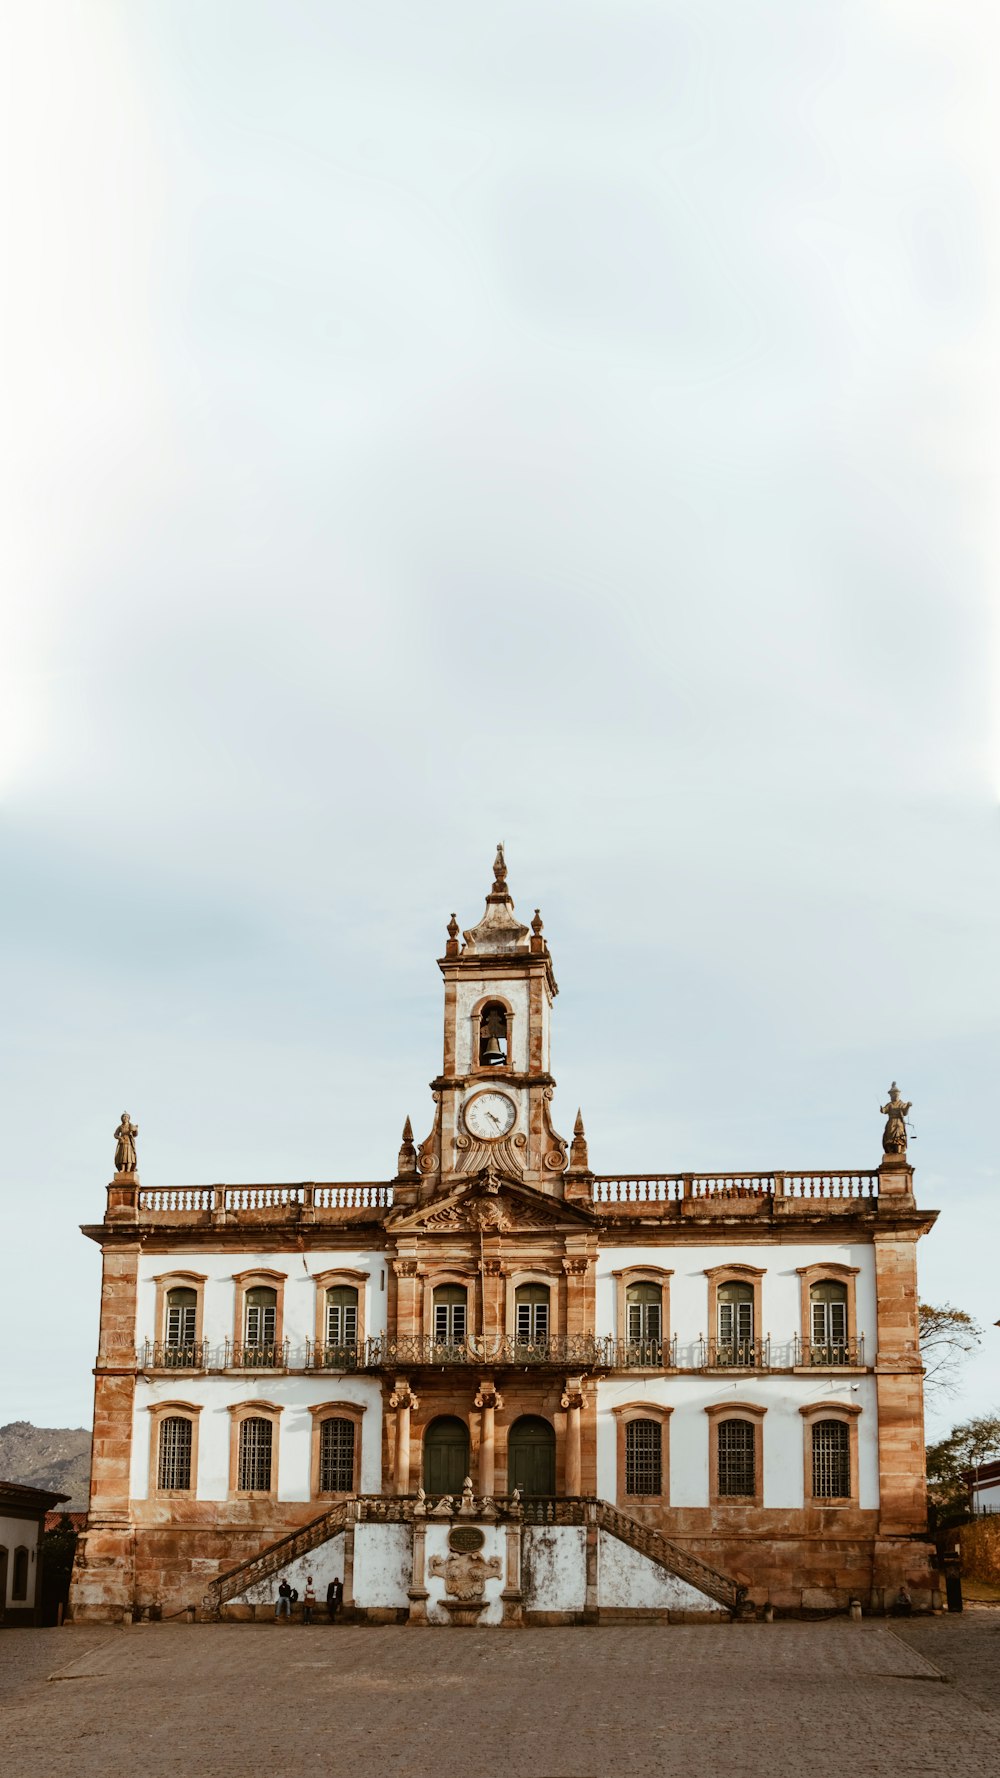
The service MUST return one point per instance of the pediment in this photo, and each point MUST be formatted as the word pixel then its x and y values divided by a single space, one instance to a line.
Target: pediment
pixel 489 1205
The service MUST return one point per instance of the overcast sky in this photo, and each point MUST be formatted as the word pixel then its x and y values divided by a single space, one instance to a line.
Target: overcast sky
pixel 569 421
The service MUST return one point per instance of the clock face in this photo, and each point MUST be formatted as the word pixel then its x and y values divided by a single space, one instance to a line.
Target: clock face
pixel 490 1115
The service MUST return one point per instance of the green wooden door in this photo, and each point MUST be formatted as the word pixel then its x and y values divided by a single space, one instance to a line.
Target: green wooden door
pixel 531 1456
pixel 446 1456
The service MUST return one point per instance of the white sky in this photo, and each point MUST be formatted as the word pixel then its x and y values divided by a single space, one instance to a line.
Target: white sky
pixel 570 423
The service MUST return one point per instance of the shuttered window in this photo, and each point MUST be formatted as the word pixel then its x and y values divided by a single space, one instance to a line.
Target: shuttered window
pixel 828 1307
pixel 449 1315
pixel 341 1316
pixel 735 1314
pixel 737 1466
pixel 831 1460
pixel 336 1457
pixel 182 1317
pixel 531 1304
pixel 643 1457
pixel 254 1467
pixel 261 1316
pixel 174 1458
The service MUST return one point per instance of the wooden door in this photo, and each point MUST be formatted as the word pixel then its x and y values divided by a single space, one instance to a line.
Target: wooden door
pixel 446 1456
pixel 531 1456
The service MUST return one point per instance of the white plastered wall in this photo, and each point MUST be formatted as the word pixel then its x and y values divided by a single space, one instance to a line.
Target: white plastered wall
pixel 15 1534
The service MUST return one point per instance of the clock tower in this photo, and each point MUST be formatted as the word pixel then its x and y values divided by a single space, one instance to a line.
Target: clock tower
pixel 493 1095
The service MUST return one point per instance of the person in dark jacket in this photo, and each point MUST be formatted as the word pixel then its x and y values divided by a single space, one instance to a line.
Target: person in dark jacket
pixel 334 1597
pixel 283 1604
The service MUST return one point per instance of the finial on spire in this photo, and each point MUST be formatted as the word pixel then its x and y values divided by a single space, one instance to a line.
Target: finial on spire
pixel 578 1158
pixel 453 929
pixel 537 941
pixel 499 872
pixel 407 1163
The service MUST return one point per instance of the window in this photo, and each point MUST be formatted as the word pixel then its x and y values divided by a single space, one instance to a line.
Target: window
pixel 336 1457
pixel 737 1464
pixel 493 1036
pixel 449 1315
pixel 644 1324
pixel 254 1467
pixel 173 1469
pixel 19 1577
pixel 260 1325
pixel 735 1318
pixel 341 1326
pixel 531 1312
pixel 828 1323
pixel 831 1460
pixel 180 1327
pixel 643 1457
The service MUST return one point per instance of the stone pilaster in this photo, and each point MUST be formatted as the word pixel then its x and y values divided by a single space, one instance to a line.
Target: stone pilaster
pixel 103 1576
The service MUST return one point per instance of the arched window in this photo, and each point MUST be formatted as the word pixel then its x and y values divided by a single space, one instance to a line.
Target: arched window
pixel 260 1322
pixel 180 1327
pixel 19 1574
pixel 446 1455
pixel 828 1322
pixel 173 1468
pixel 531 1314
pixel 493 1045
pixel 831 1460
pixel 341 1326
pixel 336 1457
pixel 643 1457
pixel 254 1464
pixel 449 1315
pixel 644 1324
pixel 737 1459
pixel 735 1331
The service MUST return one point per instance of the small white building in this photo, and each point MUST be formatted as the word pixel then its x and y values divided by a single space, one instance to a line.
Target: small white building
pixel 22 1521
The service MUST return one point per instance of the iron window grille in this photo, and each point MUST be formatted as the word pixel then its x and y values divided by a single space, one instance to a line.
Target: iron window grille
pixel 174 1464
pixel 255 1456
pixel 643 1457
pixel 336 1457
pixel 831 1441
pixel 737 1464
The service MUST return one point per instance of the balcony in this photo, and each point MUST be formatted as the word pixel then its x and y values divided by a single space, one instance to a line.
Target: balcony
pixel 589 1352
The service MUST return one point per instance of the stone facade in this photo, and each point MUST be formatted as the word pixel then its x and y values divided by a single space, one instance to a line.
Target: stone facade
pixel 730 1359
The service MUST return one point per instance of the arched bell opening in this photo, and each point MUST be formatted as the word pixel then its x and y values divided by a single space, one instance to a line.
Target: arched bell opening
pixel 494 1044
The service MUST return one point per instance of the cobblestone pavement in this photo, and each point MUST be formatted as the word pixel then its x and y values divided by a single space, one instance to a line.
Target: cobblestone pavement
pixel 221 1700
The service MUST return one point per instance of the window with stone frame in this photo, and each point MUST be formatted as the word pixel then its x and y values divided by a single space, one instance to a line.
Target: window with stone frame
pixel 644 1323
pixel 643 1457
pixel 737 1469
pixel 180 1327
pixel 531 1314
pixel 256 1441
pixel 450 1309
pixel 173 1464
pixel 828 1330
pixel 831 1460
pixel 336 1456
pixel 260 1321
pixel 735 1331
pixel 341 1327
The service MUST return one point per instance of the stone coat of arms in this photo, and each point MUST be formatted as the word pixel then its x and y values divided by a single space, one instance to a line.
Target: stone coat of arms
pixel 465 1575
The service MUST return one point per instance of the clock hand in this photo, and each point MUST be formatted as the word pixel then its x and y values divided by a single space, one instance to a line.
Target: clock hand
pixel 493 1120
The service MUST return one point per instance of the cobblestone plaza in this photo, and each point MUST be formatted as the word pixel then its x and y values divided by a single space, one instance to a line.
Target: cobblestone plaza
pixel 217 1700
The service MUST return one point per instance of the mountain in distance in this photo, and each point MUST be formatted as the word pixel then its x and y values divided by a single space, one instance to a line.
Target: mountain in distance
pixel 53 1457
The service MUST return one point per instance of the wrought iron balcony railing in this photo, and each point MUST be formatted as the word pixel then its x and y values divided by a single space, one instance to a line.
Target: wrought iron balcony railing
pixel 269 1356
pixel 351 1355
pixel 735 1355
pixel 175 1355
pixel 837 1352
pixel 565 1349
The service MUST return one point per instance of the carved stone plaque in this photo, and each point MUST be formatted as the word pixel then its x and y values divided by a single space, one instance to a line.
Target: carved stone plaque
pixel 466 1538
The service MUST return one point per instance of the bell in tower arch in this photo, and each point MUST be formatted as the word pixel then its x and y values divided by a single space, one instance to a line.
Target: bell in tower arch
pixel 493 1036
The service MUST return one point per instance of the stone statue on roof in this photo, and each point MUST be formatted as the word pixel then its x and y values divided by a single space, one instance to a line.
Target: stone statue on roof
pixel 894 1111
pixel 125 1136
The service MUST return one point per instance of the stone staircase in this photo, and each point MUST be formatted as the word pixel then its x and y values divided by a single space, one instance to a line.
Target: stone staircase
pixel 534 1510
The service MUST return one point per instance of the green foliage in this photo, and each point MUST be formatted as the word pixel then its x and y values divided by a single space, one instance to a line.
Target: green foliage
pixel 949 1461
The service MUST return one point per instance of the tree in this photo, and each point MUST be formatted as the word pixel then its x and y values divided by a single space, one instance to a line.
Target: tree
pixel 949 1461
pixel 947 1335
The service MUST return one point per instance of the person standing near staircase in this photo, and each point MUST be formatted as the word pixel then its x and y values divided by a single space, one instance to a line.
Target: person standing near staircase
pixel 308 1600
